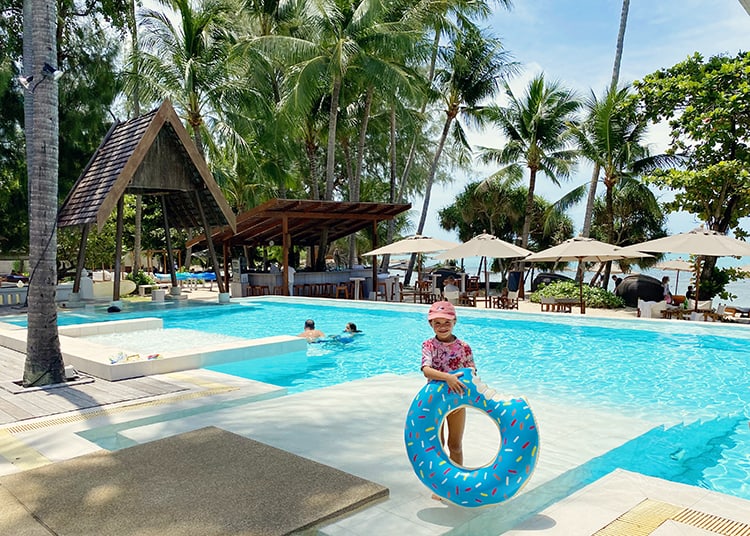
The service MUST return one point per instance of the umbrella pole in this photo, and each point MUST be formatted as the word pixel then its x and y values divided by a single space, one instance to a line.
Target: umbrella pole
pixel 580 294
pixel 698 270
pixel 487 300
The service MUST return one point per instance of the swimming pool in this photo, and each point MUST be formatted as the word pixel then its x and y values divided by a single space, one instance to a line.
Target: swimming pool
pixel 690 376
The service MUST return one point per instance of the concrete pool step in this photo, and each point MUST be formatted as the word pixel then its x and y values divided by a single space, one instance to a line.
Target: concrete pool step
pixel 358 427
pixel 114 363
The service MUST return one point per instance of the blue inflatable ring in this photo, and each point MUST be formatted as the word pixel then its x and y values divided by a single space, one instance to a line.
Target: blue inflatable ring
pixel 494 483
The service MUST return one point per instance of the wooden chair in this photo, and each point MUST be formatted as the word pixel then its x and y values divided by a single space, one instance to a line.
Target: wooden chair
pixel 342 288
pixel 468 300
pixel 472 283
pixel 507 301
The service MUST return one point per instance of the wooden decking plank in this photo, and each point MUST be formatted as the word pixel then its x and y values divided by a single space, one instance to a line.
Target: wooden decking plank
pixel 13 411
pixel 155 387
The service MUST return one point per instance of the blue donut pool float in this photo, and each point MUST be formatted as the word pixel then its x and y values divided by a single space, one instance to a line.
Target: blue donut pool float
pixel 491 484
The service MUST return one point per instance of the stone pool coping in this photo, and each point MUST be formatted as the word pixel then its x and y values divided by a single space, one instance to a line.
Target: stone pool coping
pixel 95 359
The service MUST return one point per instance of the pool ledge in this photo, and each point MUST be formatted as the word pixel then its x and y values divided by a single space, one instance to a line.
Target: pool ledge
pixel 96 359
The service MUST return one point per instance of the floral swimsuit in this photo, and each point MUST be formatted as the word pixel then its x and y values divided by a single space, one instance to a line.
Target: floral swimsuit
pixel 446 356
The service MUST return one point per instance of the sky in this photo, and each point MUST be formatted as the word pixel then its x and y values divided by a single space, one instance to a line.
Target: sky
pixel 574 41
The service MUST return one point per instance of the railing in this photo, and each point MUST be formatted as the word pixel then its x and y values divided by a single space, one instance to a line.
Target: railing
pixel 13 295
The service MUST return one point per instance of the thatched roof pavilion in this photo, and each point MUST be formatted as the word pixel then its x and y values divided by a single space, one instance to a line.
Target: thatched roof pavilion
pixel 149 155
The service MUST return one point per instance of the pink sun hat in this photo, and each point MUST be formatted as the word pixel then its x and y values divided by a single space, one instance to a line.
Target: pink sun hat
pixel 442 309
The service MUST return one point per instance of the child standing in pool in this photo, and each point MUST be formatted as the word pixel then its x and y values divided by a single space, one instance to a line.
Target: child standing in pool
pixel 441 355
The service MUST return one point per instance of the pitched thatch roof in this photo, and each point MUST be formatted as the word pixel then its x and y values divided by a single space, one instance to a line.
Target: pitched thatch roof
pixel 304 220
pixel 149 155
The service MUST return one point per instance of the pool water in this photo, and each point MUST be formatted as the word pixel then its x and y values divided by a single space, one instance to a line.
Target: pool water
pixel 690 376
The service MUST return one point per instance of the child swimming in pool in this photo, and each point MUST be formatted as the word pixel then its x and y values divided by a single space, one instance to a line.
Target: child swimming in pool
pixel 441 355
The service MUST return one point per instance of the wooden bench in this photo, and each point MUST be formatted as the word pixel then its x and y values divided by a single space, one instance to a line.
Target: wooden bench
pixel 142 288
pixel 557 305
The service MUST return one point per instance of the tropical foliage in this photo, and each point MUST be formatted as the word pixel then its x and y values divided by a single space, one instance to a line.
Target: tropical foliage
pixel 592 296
pixel 538 137
pixel 707 105
pixel 367 100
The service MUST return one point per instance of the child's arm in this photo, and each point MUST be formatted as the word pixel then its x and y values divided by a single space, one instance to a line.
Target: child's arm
pixel 454 384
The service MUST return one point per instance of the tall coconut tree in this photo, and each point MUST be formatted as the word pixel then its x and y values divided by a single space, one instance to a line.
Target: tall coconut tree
pixel 613 84
pixel 444 20
pixel 191 59
pixel 472 67
pixel 612 137
pixel 44 363
pixel 538 137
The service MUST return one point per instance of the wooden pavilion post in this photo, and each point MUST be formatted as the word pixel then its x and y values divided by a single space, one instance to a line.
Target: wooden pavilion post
pixel 375 258
pixel 285 242
pixel 81 257
pixel 118 249
pixel 225 253
pixel 168 238
pixel 210 243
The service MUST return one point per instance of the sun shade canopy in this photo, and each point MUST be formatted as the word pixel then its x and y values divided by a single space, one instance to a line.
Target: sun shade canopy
pixel 305 221
pixel 412 244
pixel 485 245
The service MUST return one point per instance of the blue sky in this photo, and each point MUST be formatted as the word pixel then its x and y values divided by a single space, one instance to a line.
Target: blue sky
pixel 573 41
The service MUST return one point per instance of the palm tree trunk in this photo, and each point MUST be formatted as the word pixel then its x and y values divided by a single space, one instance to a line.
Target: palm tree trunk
pixel 44 363
pixel 529 209
pixel 391 229
pixel 357 178
pixel 613 85
pixel 331 151
pixel 135 99
pixel 428 188
pixel 620 41
pixel 413 147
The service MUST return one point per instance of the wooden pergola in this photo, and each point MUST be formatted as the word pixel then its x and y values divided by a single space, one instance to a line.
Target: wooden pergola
pixel 301 222
pixel 151 155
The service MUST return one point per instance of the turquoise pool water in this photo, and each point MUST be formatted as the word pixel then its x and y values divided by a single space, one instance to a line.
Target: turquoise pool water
pixel 693 377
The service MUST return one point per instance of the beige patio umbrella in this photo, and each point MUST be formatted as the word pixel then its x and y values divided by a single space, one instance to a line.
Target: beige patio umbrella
pixel 699 242
pixel 582 249
pixel 413 244
pixel 485 245
pixel 676 265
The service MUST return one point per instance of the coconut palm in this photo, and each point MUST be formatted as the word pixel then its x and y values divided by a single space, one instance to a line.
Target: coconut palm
pixel 193 62
pixel 538 135
pixel 612 137
pixel 613 84
pixel 44 364
pixel 445 20
pixel 472 67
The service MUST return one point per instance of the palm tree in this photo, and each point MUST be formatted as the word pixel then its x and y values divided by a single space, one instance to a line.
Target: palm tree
pixel 44 363
pixel 194 63
pixel 473 65
pixel 612 138
pixel 538 137
pixel 444 19
pixel 613 84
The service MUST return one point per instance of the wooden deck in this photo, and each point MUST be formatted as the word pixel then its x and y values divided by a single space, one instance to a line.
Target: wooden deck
pixel 90 393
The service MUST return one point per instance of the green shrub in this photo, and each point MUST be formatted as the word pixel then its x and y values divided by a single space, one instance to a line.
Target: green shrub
pixel 141 278
pixel 592 296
